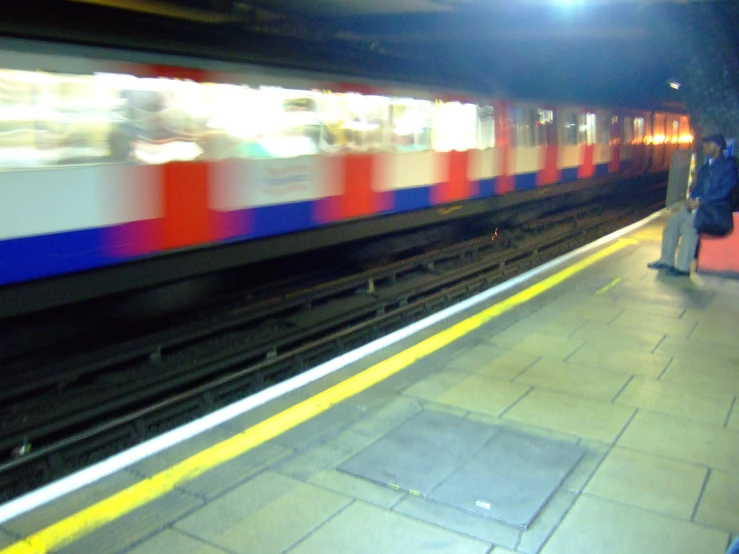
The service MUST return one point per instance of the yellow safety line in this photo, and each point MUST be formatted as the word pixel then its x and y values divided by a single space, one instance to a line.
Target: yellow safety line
pixel 96 516
pixel 609 286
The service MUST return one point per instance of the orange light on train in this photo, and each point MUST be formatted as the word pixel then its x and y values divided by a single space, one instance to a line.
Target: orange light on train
pixel 686 139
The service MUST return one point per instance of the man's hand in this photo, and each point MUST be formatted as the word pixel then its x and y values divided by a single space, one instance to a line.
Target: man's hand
pixel 693 203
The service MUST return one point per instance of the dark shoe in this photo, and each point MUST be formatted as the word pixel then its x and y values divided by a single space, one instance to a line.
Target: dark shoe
pixel 674 272
pixel 659 265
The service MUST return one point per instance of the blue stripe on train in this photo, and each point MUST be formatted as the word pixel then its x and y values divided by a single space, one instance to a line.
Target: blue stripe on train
pixel 280 219
pixel 526 181
pixel 46 255
pixel 601 169
pixel 416 198
pixel 569 174
pixel 487 187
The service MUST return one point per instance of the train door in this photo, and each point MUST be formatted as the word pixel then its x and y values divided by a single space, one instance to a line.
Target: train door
pixel 546 136
pixel 569 156
pixel 616 122
pixel 586 140
pixel 686 133
pixel 525 158
pixel 602 153
pixel 627 142
pixel 658 142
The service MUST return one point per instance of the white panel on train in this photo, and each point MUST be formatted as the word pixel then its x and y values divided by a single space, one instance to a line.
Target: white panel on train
pixel 134 192
pixel 483 164
pixel 417 169
pixel 239 184
pixel 41 202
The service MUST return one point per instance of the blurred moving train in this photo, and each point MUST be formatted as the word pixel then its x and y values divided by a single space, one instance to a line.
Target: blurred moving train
pixel 160 168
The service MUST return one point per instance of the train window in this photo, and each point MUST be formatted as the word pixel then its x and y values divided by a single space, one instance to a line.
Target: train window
pixel 587 128
pixel 486 127
pixel 455 126
pixel 547 130
pixel 570 127
pixel 50 119
pixel 355 123
pixel 639 131
pixel 686 136
pixel 628 130
pixel 675 128
pixel 603 128
pixel 160 120
pixel 658 133
pixel 412 122
pixel 524 127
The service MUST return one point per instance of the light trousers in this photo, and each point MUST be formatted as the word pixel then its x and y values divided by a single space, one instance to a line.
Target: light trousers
pixel 680 228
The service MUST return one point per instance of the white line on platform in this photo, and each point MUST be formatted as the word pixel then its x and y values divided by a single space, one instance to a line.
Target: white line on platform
pixel 87 476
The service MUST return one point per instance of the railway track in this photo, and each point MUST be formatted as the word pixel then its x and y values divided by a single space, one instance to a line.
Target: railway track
pixel 65 416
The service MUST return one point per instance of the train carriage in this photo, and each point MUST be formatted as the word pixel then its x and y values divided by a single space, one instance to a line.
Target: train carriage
pixel 110 157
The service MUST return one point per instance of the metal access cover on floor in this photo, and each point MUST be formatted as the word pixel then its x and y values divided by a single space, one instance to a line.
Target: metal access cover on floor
pixel 479 468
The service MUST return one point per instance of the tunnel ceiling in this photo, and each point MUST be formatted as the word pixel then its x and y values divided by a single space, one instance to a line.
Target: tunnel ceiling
pixel 593 51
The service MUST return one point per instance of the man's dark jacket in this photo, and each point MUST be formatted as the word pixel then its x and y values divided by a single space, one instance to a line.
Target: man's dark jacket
pixel 715 189
pixel 716 182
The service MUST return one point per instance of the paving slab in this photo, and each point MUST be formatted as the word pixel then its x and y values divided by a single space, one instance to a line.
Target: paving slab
pixel 365 529
pixel 510 478
pixel 419 454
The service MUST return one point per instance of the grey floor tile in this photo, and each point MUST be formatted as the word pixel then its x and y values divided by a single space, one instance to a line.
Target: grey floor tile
pixel 69 504
pixel 675 399
pixel 493 361
pixel 272 511
pixel 655 323
pixel 596 526
pixel 533 430
pixel 535 536
pixel 551 346
pixel 143 522
pixel 305 465
pixel 656 309
pixel 595 452
pixel 381 393
pixel 734 418
pixel 510 478
pixel 457 520
pixel 322 427
pixel 428 405
pixel 651 482
pixel 6 539
pixel 625 337
pixel 435 385
pixel 635 362
pixel 362 528
pixel 380 421
pixel 174 542
pixel 592 419
pixel 579 379
pixel 683 439
pixel 719 504
pixel 420 453
pixel 356 487
pixel 226 476
pixel 670 295
pixel 702 352
pixel 714 376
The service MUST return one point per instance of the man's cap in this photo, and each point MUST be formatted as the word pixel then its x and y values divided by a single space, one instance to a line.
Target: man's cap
pixel 716 139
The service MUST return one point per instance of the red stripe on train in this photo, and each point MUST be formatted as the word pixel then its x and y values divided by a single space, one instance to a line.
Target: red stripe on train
pixel 505 182
pixel 187 217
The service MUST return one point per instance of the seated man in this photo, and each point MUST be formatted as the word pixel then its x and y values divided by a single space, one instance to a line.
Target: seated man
pixel 716 181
